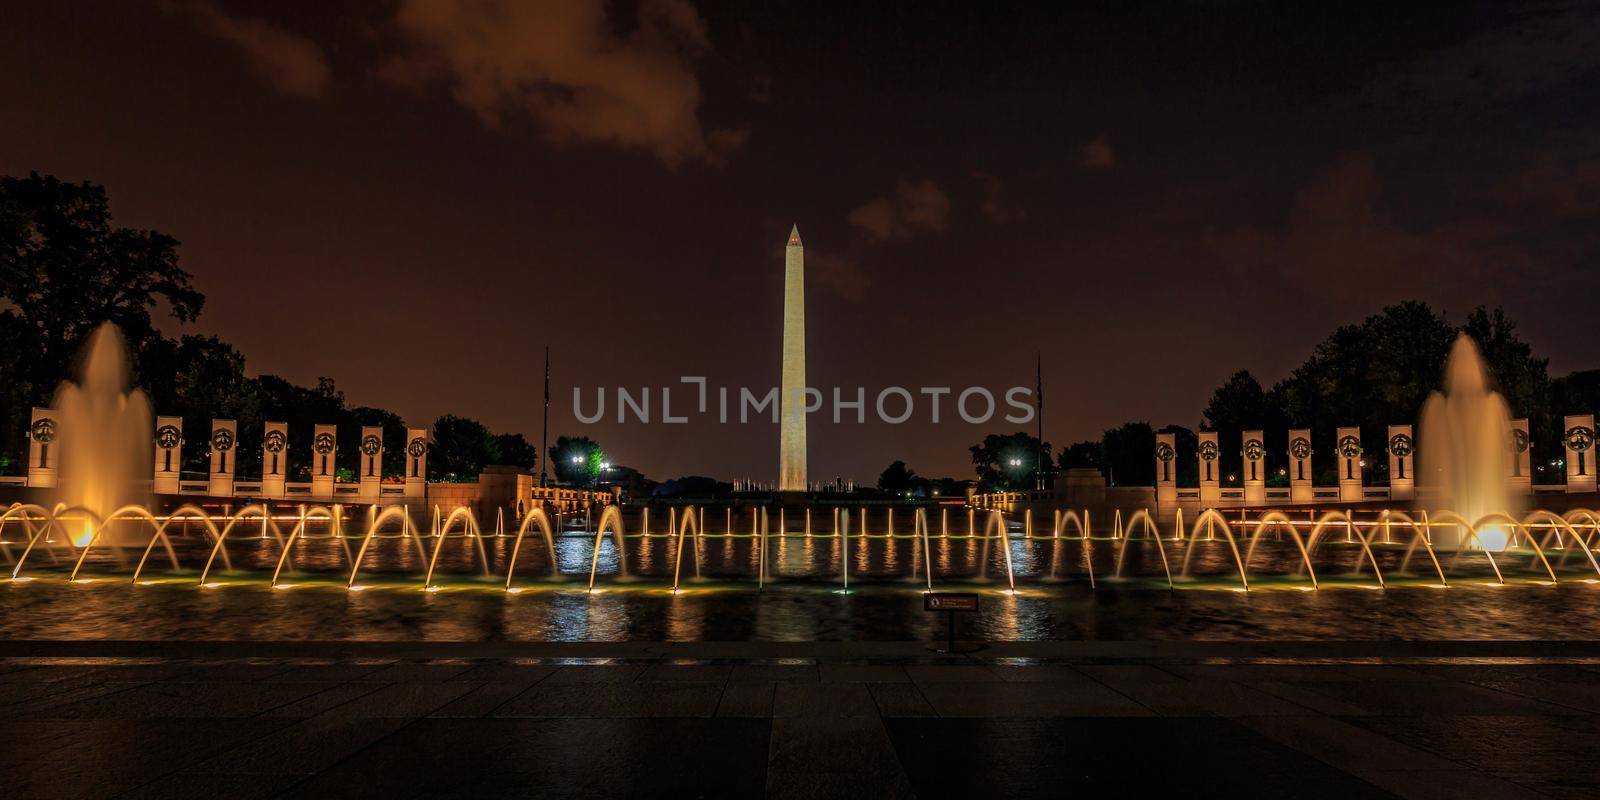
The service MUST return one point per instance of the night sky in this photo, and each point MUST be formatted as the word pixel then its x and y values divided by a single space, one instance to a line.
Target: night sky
pixel 416 197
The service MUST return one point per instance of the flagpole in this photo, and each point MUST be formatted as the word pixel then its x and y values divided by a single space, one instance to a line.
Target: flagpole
pixel 1038 412
pixel 544 441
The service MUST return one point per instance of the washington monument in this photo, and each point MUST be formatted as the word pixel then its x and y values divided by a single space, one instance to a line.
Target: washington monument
pixel 792 430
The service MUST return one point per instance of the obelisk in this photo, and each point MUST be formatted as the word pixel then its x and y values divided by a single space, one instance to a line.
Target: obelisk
pixel 792 419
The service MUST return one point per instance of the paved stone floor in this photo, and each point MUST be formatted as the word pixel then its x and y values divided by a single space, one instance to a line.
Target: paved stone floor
pixel 1345 720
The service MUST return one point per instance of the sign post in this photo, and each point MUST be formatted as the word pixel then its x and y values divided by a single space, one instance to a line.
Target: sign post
pixel 951 603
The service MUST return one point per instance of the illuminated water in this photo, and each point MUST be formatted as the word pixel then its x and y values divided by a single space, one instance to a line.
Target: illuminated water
pixel 1466 448
pixel 103 430
pixel 800 601
pixel 387 575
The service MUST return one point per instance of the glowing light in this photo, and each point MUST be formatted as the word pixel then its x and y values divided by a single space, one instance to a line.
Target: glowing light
pixel 514 590
pixel 210 585
pixel 283 586
pixel 21 580
pixel 431 589
pixel 357 588
pixel 83 580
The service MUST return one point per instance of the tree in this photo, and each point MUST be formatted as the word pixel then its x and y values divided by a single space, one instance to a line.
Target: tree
pixel 460 449
pixel 1082 455
pixel 576 460
pixel 301 408
pixel 516 451
pixel 1129 454
pixel 351 422
pixel 1186 446
pixel 202 378
pixel 1522 379
pixel 897 478
pixel 1238 405
pixel 1525 383
pixel 1576 393
pixel 64 269
pixel 693 486
pixel 1372 375
pixel 1009 463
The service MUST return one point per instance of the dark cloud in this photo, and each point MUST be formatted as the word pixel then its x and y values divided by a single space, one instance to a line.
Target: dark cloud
pixel 1341 243
pixel 562 65
pixel 286 61
pixel 1533 49
pixel 994 205
pixel 842 276
pixel 919 206
pixel 1099 155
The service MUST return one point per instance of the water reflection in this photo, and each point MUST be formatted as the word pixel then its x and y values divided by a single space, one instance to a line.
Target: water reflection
pixel 785 611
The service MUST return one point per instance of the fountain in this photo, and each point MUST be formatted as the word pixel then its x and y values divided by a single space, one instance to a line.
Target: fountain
pixel 104 434
pixel 1466 435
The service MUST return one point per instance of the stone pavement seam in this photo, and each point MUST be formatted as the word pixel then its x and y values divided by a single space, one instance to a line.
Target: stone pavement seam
pixel 350 755
pixel 87 693
pixel 200 759
pixel 1120 693
pixel 530 687
pixel 324 690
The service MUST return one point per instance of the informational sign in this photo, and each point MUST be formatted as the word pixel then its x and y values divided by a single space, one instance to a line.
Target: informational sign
pixel 949 601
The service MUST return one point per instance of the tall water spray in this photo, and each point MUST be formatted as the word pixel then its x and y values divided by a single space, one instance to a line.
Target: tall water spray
pixel 1466 448
pixel 104 433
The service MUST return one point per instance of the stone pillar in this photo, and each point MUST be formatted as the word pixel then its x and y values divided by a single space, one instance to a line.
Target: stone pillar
pixel 1350 479
pixel 43 449
pixel 1166 470
pixel 1210 484
pixel 1521 458
pixel 324 446
pixel 1255 468
pixel 1402 463
pixel 1578 439
pixel 417 462
pixel 169 455
pixel 275 459
pixel 224 435
pixel 371 463
pixel 1300 466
